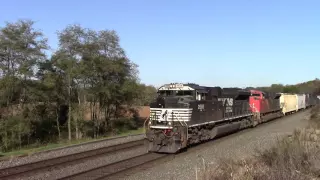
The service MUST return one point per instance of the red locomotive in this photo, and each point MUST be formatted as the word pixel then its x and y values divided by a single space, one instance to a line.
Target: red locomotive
pixel 264 106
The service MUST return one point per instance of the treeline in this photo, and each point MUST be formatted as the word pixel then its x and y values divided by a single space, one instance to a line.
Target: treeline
pixel 312 87
pixel 43 97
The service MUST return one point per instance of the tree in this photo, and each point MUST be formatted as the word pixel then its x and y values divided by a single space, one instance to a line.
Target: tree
pixel 53 87
pixel 291 89
pixel 146 95
pixel 21 48
pixel 67 60
pixel 276 88
pixel 96 65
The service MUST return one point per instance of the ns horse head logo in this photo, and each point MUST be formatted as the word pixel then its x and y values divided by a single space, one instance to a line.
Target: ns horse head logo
pixel 163 115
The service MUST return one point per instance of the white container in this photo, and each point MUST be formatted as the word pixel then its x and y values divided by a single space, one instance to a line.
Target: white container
pixel 288 102
pixel 301 101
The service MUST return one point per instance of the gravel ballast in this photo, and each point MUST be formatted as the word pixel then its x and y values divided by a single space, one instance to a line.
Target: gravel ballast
pixel 69 150
pixel 57 173
pixel 237 146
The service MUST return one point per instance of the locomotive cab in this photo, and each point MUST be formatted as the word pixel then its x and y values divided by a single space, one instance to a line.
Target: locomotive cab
pixel 173 104
pixel 178 95
pixel 175 90
pixel 170 114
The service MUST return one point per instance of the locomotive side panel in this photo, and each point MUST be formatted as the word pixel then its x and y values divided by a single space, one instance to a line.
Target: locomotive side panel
pixel 205 111
pixel 217 111
pixel 271 103
pixel 241 108
pixel 288 102
pixel 255 102
pixel 274 105
pixel 261 103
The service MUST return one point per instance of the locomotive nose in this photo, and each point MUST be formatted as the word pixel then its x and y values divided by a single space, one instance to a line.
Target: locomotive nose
pixel 183 102
pixel 161 102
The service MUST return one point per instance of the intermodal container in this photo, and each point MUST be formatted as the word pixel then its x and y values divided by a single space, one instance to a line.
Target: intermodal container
pixel 288 102
pixel 307 100
pixel 301 101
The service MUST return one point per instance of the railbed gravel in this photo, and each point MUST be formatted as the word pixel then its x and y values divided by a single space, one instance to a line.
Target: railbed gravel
pixel 57 173
pixel 68 150
pixel 237 146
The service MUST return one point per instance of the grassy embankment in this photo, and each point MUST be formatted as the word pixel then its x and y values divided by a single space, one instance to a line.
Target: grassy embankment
pixel 296 157
pixel 63 143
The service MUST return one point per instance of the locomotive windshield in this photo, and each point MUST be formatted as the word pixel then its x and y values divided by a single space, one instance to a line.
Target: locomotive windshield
pixel 175 93
pixel 176 89
pixel 187 91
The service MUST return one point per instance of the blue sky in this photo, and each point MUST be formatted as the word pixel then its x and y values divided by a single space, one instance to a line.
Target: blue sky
pixel 217 43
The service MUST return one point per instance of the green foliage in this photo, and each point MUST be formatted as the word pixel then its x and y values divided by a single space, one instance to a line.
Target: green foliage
pixel 45 99
pixel 312 87
pixel 13 131
pixel 124 124
pixel 146 95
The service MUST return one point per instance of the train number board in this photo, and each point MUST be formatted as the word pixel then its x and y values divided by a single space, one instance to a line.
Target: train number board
pixel 174 86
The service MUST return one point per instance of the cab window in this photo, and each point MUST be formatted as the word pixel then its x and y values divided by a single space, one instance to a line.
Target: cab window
pixel 184 93
pixel 255 95
pixel 201 96
pixel 165 93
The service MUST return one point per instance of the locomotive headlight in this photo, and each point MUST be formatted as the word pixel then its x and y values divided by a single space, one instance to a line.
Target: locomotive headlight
pixel 169 123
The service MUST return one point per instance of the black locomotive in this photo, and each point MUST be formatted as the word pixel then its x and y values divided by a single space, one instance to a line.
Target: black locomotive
pixel 184 114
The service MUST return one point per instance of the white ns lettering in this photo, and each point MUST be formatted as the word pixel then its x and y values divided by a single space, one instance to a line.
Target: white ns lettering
pixel 226 101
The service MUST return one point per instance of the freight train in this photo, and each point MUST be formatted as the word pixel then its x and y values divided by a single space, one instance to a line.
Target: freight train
pixel 186 114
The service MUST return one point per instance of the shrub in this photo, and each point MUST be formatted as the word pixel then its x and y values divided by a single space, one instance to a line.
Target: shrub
pixel 296 157
pixel 13 131
pixel 291 158
pixel 123 124
pixel 315 117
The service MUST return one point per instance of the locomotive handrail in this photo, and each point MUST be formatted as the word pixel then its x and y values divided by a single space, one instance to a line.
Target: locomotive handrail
pixel 179 119
pixel 144 124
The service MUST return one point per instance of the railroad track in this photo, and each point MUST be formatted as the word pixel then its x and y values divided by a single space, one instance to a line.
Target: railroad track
pixel 109 170
pixel 64 161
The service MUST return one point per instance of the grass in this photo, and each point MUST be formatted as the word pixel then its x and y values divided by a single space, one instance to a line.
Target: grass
pixel 28 151
pixel 296 157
